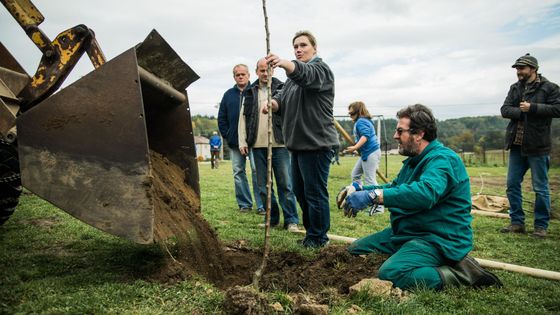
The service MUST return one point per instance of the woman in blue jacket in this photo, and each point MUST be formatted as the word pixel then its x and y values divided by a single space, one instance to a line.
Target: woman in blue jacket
pixel 366 144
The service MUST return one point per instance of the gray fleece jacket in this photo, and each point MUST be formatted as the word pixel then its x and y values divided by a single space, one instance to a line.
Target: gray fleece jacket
pixel 306 106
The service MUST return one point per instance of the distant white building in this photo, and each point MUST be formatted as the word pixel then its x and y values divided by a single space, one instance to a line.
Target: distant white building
pixel 391 152
pixel 202 147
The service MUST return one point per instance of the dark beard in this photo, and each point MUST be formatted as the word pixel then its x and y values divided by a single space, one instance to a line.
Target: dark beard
pixel 523 79
pixel 409 150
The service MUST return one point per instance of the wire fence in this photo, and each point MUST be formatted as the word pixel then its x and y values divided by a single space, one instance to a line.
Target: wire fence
pixel 485 158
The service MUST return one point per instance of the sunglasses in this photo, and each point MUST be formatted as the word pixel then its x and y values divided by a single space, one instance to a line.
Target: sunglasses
pixel 401 130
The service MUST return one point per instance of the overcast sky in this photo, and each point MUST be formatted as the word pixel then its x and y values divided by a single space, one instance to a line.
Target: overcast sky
pixel 454 56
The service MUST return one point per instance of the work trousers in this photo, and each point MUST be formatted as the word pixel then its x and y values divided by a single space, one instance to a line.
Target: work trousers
pixel 411 265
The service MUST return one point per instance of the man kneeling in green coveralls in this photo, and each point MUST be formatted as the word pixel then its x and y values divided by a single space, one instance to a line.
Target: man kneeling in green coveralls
pixel 430 204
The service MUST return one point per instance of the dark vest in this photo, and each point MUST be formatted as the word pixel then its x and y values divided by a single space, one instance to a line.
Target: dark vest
pixel 251 113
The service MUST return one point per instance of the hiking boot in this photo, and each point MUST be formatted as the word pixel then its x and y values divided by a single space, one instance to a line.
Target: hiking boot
pixel 261 211
pixel 539 232
pixel 514 228
pixel 467 272
pixel 245 210
pixel 292 227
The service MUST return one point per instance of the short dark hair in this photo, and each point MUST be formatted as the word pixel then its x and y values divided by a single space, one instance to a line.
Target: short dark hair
pixel 421 119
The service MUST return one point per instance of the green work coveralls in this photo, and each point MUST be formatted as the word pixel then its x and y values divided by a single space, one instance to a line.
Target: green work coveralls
pixel 430 205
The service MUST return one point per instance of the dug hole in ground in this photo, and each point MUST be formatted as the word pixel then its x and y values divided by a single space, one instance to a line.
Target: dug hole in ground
pixel 194 249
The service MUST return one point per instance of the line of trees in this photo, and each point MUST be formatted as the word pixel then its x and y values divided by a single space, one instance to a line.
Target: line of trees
pixel 204 125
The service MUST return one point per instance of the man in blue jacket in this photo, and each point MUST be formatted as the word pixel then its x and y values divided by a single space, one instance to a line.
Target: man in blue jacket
pixel 215 147
pixel 228 119
pixel 430 204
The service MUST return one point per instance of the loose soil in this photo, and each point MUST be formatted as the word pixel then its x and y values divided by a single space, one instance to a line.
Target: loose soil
pixel 194 248
pixel 192 243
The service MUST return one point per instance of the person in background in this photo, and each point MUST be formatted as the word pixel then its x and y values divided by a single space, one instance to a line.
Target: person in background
pixel 530 105
pixel 336 157
pixel 228 120
pixel 367 145
pixel 430 204
pixel 306 104
pixel 253 136
pixel 215 147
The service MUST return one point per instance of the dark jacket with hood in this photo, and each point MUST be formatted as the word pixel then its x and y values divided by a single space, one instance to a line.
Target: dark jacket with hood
pixel 544 97
pixel 251 113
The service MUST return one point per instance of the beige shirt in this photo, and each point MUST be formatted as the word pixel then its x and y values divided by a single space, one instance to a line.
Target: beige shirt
pixel 262 132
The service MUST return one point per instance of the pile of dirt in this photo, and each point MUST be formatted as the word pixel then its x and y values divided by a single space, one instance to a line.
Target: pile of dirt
pixel 191 242
pixel 194 248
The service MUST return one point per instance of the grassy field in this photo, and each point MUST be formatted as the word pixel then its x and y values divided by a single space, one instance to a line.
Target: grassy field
pixel 54 264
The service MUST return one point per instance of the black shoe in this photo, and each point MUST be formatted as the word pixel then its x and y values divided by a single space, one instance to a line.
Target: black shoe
pixel 308 243
pixel 468 272
pixel 485 277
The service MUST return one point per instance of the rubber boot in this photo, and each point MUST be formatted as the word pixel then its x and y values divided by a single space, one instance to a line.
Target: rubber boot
pixel 467 272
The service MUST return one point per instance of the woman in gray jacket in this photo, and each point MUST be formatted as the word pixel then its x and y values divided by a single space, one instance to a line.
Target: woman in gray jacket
pixel 306 107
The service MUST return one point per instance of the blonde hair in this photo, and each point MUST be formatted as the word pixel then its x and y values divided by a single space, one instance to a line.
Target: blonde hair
pixel 307 34
pixel 359 108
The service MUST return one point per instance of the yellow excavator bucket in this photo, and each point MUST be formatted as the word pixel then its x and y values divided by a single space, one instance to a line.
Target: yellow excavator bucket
pixel 87 149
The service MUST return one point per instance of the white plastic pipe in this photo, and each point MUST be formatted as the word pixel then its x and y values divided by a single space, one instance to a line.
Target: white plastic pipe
pixel 490 214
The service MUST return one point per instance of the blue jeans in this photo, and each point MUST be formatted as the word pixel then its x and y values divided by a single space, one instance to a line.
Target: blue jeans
pixel 242 191
pixel 518 166
pixel 281 169
pixel 310 171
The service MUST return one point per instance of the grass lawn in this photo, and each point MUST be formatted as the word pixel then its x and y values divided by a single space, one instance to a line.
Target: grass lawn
pixel 54 264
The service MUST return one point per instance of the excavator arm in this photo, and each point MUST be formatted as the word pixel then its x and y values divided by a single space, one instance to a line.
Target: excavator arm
pixel 59 56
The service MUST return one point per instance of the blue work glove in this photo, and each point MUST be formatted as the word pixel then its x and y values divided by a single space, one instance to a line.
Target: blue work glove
pixel 358 201
pixel 345 192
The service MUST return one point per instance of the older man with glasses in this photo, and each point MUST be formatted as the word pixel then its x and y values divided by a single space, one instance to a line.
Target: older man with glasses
pixel 430 204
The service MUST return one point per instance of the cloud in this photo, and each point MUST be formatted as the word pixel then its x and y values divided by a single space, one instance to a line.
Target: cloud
pixel 453 56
